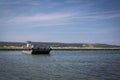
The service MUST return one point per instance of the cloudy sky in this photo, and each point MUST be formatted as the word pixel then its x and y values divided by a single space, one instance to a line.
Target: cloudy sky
pixel 77 21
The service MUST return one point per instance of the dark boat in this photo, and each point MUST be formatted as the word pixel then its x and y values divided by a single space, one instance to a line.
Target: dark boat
pixel 35 49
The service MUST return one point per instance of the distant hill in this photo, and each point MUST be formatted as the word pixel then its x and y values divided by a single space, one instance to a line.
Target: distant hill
pixel 12 43
pixel 55 44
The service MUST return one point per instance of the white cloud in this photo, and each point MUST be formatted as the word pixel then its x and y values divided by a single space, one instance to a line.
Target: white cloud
pixel 60 18
pixel 99 15
pixel 40 18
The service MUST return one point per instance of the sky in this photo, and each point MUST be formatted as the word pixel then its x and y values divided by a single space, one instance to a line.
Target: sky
pixel 68 21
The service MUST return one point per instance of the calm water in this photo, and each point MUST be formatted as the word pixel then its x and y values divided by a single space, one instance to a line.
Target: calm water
pixel 60 65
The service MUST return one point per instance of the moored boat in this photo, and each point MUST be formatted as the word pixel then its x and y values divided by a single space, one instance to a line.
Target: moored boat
pixel 40 51
pixel 34 49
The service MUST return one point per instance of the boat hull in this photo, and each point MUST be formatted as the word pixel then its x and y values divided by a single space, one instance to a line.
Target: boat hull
pixel 36 51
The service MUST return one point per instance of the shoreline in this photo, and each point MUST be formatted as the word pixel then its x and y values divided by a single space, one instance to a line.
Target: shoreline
pixel 83 48
pixel 63 48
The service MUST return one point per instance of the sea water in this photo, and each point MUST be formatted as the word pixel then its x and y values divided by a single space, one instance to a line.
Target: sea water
pixel 60 65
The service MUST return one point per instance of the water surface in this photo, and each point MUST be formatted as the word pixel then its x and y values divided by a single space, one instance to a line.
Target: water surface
pixel 60 65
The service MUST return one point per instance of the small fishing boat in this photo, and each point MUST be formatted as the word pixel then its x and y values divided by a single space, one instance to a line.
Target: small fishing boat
pixel 34 49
